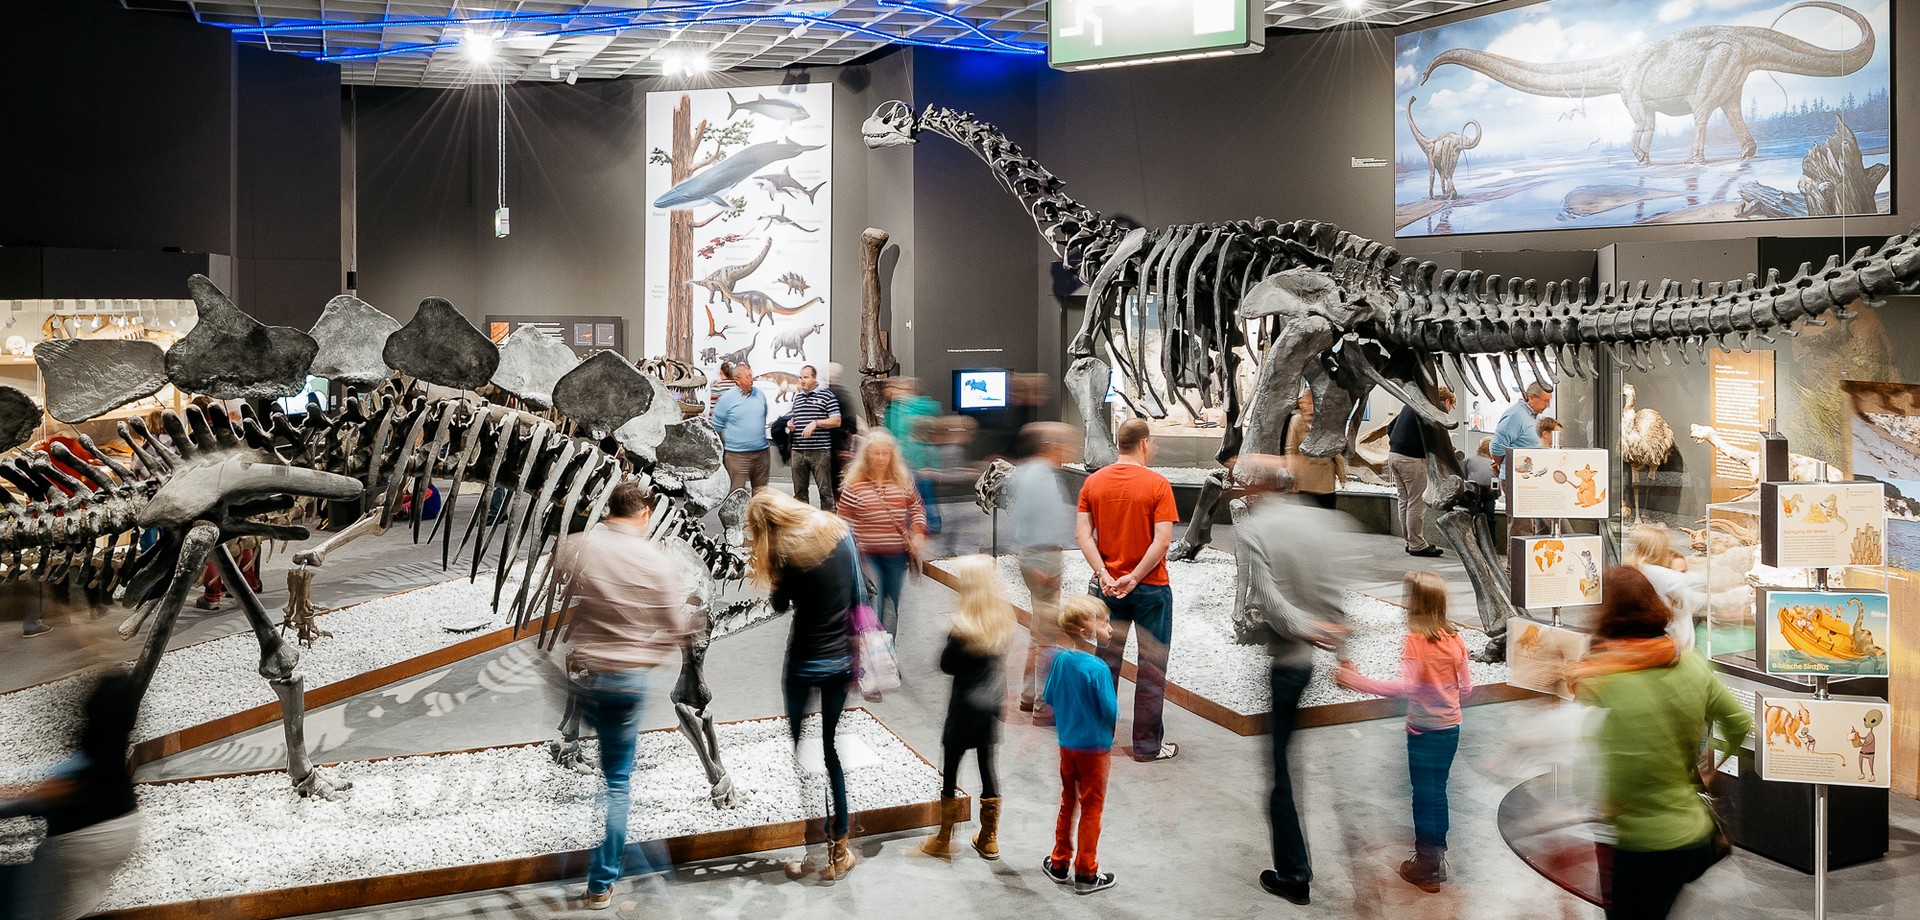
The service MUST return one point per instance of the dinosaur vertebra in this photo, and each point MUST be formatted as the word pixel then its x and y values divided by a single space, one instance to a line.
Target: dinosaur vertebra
pixel 1693 71
pixel 1443 152
pixel 1312 303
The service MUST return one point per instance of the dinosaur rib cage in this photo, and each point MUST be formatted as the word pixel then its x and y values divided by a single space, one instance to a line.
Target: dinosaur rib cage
pixel 395 443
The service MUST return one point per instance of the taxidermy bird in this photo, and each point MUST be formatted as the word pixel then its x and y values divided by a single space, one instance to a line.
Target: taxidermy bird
pixel 1645 442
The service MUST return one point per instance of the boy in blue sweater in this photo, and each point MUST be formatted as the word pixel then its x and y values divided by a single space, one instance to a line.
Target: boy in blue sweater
pixel 1080 690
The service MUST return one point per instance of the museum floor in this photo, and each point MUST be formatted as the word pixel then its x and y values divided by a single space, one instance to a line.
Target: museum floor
pixel 1186 837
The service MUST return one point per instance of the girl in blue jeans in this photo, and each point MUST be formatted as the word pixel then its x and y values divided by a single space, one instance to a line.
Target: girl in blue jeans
pixel 1433 681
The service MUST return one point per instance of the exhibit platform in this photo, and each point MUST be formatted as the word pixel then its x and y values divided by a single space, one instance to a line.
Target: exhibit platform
pixel 1226 683
pixel 246 846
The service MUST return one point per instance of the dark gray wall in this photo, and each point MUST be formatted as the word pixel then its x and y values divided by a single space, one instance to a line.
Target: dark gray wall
pixel 139 131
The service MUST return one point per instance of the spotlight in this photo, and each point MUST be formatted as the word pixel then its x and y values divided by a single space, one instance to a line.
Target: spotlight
pixel 1355 6
pixel 479 46
pixel 697 63
pixel 573 76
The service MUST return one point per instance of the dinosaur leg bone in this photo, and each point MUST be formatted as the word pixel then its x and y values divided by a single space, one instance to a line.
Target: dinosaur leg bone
pixel 691 697
pixel 280 665
pixel 1087 380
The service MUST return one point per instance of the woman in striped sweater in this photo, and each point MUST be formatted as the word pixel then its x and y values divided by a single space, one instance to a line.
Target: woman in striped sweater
pixel 889 524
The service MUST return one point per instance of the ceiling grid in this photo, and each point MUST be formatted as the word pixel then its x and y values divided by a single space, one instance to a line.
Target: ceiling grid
pixel 418 42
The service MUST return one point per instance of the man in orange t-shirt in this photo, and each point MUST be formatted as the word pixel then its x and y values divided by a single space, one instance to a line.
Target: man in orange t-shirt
pixel 1124 526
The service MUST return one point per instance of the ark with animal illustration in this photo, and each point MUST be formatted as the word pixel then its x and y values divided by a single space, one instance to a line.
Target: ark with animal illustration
pixel 1551 482
pixel 1817 525
pixel 1840 741
pixel 1823 633
pixel 1559 571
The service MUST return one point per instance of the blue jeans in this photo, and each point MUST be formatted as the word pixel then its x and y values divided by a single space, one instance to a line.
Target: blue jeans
pixel 1151 608
pixel 928 501
pixel 889 575
pixel 1429 760
pixel 831 678
pixel 612 701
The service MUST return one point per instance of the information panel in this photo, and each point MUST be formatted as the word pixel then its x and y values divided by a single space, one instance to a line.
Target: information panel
pixel 1539 656
pixel 1551 482
pixel 1091 34
pixel 1555 571
pixel 1818 525
pixel 1835 742
pixel 1739 404
pixel 1841 633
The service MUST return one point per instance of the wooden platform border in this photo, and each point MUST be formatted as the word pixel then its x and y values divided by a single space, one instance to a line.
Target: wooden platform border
pixel 1259 723
pixel 389 889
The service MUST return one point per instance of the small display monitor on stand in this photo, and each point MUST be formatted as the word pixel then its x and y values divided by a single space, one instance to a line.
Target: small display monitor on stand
pixel 980 389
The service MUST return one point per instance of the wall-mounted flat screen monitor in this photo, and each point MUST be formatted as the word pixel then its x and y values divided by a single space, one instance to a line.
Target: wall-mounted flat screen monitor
pixel 297 403
pixel 979 389
pixel 1092 34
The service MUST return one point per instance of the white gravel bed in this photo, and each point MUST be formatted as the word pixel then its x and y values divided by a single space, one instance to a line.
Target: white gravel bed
pixel 222 837
pixel 1206 661
pixel 39 726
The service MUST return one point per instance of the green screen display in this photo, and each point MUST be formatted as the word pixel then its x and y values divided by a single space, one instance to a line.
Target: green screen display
pixel 1089 34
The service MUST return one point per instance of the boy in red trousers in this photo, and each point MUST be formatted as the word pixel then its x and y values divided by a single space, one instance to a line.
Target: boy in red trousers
pixel 1080 691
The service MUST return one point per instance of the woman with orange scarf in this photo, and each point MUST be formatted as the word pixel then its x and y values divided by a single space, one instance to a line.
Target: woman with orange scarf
pixel 1658 700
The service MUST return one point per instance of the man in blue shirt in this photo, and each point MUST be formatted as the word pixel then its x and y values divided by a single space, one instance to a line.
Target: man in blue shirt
pixel 1519 428
pixel 741 418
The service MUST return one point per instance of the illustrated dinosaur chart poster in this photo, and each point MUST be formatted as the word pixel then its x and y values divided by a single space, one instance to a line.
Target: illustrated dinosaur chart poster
pixel 1613 113
pixel 1817 525
pixel 1553 482
pixel 1839 633
pixel 1842 741
pixel 1559 571
pixel 1540 654
pixel 739 229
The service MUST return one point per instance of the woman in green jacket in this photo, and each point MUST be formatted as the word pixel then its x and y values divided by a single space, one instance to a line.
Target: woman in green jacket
pixel 1658 701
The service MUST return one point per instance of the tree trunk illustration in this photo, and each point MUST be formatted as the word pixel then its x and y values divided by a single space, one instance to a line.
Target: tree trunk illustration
pixel 683 164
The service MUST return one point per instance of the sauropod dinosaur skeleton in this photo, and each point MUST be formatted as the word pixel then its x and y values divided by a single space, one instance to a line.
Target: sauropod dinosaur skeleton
pixel 208 480
pixel 1307 302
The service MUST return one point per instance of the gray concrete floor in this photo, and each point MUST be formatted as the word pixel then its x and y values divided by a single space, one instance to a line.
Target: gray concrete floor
pixel 1187 838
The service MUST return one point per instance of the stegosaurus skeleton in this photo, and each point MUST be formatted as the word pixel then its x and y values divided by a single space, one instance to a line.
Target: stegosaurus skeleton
pixel 1307 302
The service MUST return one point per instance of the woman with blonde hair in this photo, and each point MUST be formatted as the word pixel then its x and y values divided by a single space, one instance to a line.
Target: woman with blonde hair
pixel 975 656
pixel 1433 681
pixel 889 523
pixel 805 557
pixel 1649 550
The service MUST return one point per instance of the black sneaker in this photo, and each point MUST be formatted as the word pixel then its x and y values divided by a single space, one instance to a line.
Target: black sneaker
pixel 1088 884
pixel 1295 891
pixel 1060 876
pixel 1428 553
pixel 40 630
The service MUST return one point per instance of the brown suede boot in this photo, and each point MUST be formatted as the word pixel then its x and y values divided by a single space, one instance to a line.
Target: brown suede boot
pixel 941 843
pixel 1427 870
pixel 987 842
pixel 839 859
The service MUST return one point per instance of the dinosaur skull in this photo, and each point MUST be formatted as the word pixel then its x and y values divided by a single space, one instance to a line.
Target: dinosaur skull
pixel 890 125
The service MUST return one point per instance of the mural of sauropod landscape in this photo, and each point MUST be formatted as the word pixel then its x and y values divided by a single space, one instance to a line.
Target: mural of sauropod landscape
pixel 1610 113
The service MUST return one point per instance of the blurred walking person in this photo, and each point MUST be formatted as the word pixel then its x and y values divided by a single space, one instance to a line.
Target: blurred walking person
pixel 1659 700
pixel 889 524
pixel 1123 525
pixel 1407 466
pixel 1290 550
pixel 806 558
pixel 93 821
pixel 975 655
pixel 1041 511
pixel 906 409
pixel 629 616
pixel 1433 680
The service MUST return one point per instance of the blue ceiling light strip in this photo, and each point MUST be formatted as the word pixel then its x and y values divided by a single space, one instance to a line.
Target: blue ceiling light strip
pixel 962 22
pixel 349 25
pixel 994 46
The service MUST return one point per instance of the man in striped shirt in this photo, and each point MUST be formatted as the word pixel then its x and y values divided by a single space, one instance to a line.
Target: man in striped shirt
pixel 816 412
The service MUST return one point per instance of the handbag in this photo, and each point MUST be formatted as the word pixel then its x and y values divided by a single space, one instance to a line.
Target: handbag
pixel 875 669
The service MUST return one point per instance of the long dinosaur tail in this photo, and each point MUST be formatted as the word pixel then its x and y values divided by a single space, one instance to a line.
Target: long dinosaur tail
pixel 1788 54
pixel 1567 79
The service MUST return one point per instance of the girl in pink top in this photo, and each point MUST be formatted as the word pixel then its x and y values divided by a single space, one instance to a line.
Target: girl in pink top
pixel 1433 680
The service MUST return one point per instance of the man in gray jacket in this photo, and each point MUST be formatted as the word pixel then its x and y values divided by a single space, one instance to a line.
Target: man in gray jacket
pixel 1287 595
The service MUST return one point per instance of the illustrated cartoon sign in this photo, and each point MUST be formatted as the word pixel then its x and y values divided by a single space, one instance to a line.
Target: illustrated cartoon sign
pixel 1555 571
pixel 1549 482
pixel 1815 525
pixel 1824 632
pixel 1539 654
pixel 1836 742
